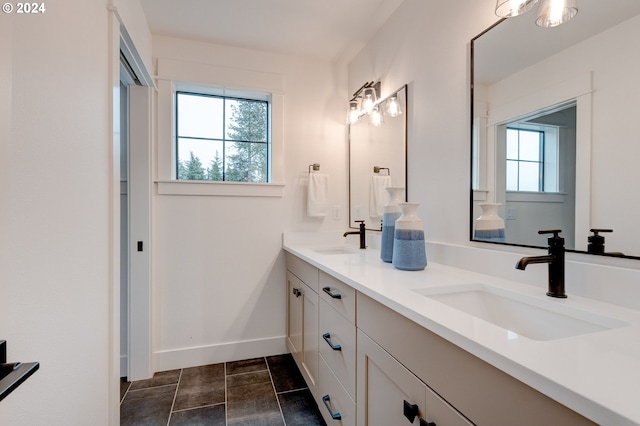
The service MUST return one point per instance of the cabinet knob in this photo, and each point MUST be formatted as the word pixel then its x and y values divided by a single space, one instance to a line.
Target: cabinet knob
pixel 410 411
pixel 334 416
pixel 297 292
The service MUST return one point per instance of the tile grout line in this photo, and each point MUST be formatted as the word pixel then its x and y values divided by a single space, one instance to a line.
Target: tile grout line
pixel 291 391
pixel 175 395
pixel 275 393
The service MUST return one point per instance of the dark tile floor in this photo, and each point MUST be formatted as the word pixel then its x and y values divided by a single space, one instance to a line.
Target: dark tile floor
pixel 260 391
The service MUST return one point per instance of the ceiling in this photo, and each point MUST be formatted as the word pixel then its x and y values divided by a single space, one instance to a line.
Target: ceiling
pixel 333 30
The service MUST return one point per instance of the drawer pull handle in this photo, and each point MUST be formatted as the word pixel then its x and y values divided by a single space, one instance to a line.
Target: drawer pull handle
pixel 423 422
pixel 334 416
pixel 410 411
pixel 326 337
pixel 296 292
pixel 333 295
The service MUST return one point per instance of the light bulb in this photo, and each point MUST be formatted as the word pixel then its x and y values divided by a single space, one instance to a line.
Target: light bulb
pixel 353 113
pixel 392 107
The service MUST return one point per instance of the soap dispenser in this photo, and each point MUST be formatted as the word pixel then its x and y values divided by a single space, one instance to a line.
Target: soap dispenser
pixel 596 241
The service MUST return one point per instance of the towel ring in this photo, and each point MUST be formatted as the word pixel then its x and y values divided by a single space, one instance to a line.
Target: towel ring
pixel 376 169
pixel 316 167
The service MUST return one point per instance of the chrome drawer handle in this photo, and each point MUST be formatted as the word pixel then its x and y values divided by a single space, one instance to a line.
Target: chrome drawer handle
pixel 330 293
pixel 334 416
pixel 326 337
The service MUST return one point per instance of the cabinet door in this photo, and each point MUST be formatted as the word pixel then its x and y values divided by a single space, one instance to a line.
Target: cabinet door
pixel 389 394
pixel 294 315
pixel 385 387
pixel 310 356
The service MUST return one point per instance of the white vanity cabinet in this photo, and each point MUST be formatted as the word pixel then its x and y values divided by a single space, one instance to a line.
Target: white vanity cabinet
pixel 337 378
pixel 302 318
pixel 368 365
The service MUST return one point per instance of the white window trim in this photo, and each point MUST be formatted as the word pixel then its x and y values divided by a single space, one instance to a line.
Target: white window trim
pixel 178 75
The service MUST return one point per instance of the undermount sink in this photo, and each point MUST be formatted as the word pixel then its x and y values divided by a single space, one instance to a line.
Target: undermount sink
pixel 521 314
pixel 334 250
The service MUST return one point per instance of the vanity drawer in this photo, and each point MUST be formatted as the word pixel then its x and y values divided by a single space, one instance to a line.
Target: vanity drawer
pixel 339 295
pixel 301 269
pixel 333 399
pixel 337 343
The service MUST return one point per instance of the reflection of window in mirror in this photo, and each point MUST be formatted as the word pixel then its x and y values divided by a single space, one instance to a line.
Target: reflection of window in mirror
pixel 532 159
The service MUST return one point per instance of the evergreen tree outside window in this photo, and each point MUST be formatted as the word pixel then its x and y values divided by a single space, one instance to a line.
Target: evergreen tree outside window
pixel 221 138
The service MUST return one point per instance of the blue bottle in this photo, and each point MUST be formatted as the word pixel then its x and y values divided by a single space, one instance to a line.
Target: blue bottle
pixel 409 253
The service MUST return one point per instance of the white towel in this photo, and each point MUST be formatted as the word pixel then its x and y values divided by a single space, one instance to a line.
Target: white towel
pixel 378 197
pixel 317 200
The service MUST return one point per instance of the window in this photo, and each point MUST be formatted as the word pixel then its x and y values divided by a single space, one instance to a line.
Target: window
pixel 222 138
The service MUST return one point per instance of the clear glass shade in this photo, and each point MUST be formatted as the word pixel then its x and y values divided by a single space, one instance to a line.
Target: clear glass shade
pixel 392 107
pixel 369 100
pixel 509 8
pixel 555 12
pixel 353 113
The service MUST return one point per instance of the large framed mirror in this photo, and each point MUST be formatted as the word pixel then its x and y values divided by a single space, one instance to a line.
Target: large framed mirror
pixel 377 159
pixel 553 139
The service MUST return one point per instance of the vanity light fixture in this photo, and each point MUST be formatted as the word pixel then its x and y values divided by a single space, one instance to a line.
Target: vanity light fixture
pixel 363 101
pixel 551 13
pixel 555 12
pixel 510 8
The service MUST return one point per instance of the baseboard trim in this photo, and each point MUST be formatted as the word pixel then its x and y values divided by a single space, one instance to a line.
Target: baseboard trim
pixel 223 352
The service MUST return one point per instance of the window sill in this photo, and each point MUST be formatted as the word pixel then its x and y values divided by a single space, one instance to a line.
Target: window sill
pixel 219 189
pixel 536 197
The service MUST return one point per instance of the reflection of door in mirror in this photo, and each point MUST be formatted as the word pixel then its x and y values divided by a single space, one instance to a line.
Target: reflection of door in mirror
pixel 377 159
pixel 535 176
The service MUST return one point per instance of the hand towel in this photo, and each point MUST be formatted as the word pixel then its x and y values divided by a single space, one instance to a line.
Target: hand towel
pixel 317 199
pixel 378 196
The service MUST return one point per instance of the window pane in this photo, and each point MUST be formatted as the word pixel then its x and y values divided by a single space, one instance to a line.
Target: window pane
pixel 200 116
pixel 512 144
pixel 199 159
pixel 512 175
pixel 246 162
pixel 246 120
pixel 529 146
pixel 529 176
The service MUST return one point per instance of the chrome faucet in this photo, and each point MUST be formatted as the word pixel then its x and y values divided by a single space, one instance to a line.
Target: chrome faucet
pixel 363 239
pixel 555 259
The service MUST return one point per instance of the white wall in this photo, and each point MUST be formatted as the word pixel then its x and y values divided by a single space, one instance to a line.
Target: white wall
pixel 219 271
pixel 54 220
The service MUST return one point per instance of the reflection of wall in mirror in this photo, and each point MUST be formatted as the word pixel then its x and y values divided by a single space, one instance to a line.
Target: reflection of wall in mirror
pixel 612 59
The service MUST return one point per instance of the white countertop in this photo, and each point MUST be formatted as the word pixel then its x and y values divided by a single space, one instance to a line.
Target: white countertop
pixel 595 374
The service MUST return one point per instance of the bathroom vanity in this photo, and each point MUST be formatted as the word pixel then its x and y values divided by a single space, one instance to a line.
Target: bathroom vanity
pixel 379 346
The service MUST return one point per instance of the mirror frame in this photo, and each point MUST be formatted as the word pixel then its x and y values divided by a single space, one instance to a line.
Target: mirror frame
pixel 471 161
pixel 405 114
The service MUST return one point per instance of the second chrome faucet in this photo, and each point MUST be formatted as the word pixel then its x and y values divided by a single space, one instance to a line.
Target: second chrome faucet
pixel 555 259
